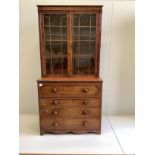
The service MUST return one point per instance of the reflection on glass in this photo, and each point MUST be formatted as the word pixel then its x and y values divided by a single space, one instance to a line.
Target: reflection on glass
pixel 84 66
pixel 57 63
pixel 55 27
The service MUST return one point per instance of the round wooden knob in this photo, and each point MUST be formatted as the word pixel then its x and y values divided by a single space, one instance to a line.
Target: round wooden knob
pixel 54 90
pixel 85 112
pixel 55 102
pixel 55 124
pixel 86 90
pixel 85 123
pixel 85 102
pixel 55 112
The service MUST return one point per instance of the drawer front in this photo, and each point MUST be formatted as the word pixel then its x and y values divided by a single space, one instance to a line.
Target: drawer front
pixel 60 103
pixel 69 124
pixel 70 112
pixel 71 90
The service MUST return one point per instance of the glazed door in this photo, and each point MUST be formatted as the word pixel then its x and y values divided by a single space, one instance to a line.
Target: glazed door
pixel 55 38
pixel 69 43
pixel 84 44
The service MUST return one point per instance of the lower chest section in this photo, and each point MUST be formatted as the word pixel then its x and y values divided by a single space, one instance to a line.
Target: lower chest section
pixel 66 107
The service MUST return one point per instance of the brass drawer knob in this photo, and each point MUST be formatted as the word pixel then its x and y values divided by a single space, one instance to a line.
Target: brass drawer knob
pixel 86 90
pixel 85 123
pixel 85 112
pixel 55 102
pixel 55 124
pixel 54 90
pixel 55 112
pixel 85 102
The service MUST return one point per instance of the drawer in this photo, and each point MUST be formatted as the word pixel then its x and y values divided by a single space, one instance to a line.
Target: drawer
pixel 68 89
pixel 69 124
pixel 60 103
pixel 70 112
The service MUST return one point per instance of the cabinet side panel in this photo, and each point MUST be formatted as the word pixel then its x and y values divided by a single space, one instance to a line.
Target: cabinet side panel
pixel 41 39
pixel 98 41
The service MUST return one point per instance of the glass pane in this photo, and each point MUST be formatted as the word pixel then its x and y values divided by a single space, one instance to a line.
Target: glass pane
pixel 55 27
pixel 93 30
pixel 84 31
pixel 92 47
pixel 55 30
pixel 76 20
pixel 84 65
pixel 48 66
pixel 84 47
pixel 64 48
pixel 84 20
pixel 93 20
pixel 56 65
pixel 76 47
pixel 64 60
pixel 55 19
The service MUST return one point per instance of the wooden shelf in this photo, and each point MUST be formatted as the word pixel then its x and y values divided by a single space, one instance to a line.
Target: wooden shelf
pixel 84 40
pixel 57 56
pixel 84 55
pixel 84 26
pixel 51 26
pixel 56 40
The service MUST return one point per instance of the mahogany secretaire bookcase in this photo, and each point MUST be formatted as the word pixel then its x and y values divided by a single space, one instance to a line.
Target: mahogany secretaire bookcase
pixel 70 90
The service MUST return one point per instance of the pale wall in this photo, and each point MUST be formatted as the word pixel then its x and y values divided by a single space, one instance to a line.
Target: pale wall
pixel 117 54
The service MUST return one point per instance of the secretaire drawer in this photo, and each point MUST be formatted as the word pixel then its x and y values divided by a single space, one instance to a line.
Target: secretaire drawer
pixel 68 89
pixel 73 102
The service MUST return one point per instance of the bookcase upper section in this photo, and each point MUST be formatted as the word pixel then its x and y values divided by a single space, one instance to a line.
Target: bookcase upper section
pixel 70 40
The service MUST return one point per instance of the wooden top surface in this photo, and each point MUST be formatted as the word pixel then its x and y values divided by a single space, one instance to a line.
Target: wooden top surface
pixel 70 7
pixel 70 79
